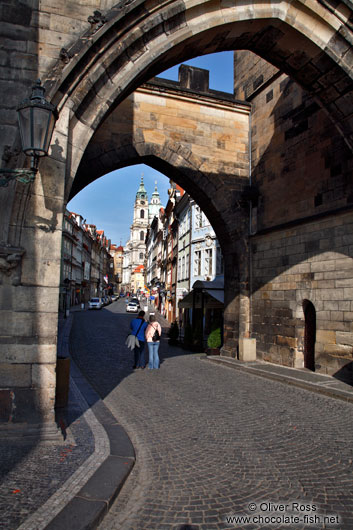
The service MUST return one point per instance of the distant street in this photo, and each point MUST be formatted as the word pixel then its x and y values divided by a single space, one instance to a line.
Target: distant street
pixel 212 443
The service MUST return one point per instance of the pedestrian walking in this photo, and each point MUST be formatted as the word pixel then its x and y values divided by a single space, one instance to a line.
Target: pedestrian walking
pixel 138 327
pixel 153 335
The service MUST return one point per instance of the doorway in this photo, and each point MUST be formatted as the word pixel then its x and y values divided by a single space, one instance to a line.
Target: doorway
pixel 309 335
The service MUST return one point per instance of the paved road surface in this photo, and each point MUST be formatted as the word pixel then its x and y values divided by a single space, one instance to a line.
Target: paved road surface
pixel 211 441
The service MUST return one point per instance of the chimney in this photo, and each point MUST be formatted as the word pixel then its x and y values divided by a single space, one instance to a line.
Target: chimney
pixel 194 78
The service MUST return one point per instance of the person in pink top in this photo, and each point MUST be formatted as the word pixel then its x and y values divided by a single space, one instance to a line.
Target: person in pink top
pixel 153 342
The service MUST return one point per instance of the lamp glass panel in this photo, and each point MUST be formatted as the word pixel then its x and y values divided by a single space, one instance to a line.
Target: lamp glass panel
pixel 41 123
pixel 24 119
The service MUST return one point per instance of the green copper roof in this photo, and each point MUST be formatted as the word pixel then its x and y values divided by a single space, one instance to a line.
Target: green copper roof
pixel 141 192
pixel 155 193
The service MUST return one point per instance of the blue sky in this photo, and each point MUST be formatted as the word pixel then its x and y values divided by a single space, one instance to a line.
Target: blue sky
pixel 108 201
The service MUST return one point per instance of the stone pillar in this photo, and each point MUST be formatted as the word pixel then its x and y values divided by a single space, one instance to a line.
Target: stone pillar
pixel 237 299
pixel 29 294
pixel 231 305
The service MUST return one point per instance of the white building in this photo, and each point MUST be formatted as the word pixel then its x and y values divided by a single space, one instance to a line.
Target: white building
pixel 135 248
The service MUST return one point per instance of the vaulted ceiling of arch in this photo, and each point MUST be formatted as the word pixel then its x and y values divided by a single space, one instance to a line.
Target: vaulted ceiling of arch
pixel 311 42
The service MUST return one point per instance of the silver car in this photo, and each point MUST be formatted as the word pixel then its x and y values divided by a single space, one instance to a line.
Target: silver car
pixel 95 303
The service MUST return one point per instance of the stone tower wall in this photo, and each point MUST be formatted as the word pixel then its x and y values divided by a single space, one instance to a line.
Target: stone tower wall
pixel 301 247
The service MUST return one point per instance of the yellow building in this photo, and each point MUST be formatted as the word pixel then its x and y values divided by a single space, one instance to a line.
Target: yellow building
pixel 138 279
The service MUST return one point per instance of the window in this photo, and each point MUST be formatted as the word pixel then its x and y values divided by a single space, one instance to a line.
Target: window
pixel 141 255
pixel 219 262
pixel 183 267
pixel 142 235
pixel 142 214
pixel 198 217
pixel 197 263
pixel 208 261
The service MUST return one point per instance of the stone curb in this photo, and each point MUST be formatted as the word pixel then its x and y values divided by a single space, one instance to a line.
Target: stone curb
pixel 295 380
pixel 90 505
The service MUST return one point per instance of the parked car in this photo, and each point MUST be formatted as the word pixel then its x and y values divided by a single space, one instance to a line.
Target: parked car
pixel 95 303
pixel 114 297
pixel 132 307
pixel 135 301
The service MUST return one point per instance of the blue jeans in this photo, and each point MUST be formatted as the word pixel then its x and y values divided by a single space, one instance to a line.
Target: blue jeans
pixel 153 362
pixel 139 354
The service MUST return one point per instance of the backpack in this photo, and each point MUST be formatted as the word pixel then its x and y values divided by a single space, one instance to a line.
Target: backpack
pixel 155 336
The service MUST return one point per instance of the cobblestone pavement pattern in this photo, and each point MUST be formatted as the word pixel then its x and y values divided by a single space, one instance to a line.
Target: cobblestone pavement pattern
pixel 210 440
pixel 25 486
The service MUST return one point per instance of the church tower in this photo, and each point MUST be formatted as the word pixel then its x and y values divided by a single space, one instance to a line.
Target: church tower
pixel 155 205
pixel 139 227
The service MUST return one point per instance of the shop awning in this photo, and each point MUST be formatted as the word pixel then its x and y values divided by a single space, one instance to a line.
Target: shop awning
pixel 213 293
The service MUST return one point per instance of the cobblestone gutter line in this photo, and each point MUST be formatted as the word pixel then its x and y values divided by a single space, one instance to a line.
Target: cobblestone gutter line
pixel 330 388
pixel 40 519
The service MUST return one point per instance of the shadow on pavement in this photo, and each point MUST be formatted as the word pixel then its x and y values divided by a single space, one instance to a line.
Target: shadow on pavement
pixel 97 347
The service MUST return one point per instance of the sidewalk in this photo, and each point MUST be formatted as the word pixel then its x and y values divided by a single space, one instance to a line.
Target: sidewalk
pixel 71 479
pixel 313 381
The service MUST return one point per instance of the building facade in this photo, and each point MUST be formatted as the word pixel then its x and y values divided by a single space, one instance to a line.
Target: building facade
pixel 117 252
pixel 87 267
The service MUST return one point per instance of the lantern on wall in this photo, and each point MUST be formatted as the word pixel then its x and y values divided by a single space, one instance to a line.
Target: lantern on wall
pixel 36 119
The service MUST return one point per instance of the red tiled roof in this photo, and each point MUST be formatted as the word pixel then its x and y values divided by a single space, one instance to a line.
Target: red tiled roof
pixel 182 191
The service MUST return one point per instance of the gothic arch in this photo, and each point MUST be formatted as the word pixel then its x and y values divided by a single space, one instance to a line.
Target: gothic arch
pixel 308 41
pixel 179 165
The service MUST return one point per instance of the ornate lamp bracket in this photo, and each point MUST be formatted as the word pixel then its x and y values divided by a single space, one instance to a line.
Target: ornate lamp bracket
pixel 26 176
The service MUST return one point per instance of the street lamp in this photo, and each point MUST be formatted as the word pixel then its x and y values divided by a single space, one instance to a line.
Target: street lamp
pixel 36 119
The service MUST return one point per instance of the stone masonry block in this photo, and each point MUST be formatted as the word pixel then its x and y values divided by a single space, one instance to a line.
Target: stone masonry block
pixel 247 349
pixel 43 375
pixel 286 341
pixel 42 272
pixel 346 282
pixel 323 266
pixel 345 305
pixel 11 322
pixel 338 349
pixel 326 337
pixel 28 352
pixel 324 315
pixel 330 294
pixel 14 375
pixel 344 338
pixel 41 299
pixel 347 293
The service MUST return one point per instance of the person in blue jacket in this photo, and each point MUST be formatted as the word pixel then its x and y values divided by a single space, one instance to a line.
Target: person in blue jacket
pixel 138 326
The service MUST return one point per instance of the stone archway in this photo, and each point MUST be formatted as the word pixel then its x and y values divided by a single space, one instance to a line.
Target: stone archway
pixel 98 68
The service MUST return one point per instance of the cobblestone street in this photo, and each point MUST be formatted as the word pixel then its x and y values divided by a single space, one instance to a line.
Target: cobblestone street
pixel 210 441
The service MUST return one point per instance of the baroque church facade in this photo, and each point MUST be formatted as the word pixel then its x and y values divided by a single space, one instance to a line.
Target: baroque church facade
pixel 135 248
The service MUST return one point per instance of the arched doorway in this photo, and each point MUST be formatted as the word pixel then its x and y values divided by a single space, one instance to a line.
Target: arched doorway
pixel 309 335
